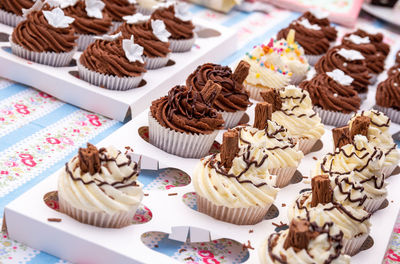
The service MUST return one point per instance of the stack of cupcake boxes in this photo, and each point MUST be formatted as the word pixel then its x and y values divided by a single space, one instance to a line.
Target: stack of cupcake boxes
pixel 26 218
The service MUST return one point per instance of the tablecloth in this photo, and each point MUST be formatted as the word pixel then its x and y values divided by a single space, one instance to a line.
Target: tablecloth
pixel 39 133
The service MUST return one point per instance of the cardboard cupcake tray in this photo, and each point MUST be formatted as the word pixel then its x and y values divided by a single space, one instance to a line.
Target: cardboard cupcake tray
pixel 214 43
pixel 26 217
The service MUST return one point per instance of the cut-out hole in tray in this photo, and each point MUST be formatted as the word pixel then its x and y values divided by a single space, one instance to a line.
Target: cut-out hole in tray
pixel 4 37
pixel 222 250
pixel 143 213
pixel 203 32
pixel 144 134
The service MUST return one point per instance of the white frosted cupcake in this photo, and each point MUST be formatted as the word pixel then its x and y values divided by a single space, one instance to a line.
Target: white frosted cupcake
pixel 378 134
pixel 305 243
pixel 293 110
pixel 321 207
pixel 234 186
pixel 100 187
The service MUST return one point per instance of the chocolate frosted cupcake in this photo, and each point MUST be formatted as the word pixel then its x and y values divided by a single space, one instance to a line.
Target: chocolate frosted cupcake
pixel 90 20
pixel 45 37
pixel 333 97
pixel 397 61
pixel 117 9
pixel 396 67
pixel 376 39
pixel 320 206
pixel 11 11
pixel 310 37
pixel 304 242
pixel 388 97
pixel 233 99
pixel 112 63
pixel 235 186
pixel 178 22
pixel 292 108
pixel 351 62
pixel 321 19
pixel 100 187
pixel 184 123
pixel 151 35
pixel 374 59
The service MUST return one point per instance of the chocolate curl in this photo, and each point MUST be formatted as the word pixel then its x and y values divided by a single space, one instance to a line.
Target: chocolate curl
pixel 321 190
pixel 89 159
pixel 299 235
pixel 229 148
pixel 241 71
pixel 341 137
pixel 210 92
pixel 360 126
pixel 273 97
pixel 263 113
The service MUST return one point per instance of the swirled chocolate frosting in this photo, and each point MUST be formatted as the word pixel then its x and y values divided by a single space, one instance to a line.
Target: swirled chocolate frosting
pixel 313 41
pixel 394 70
pixel 376 39
pixel 398 57
pixel 84 24
pixel 388 92
pixel 108 57
pixel 144 36
pixel 184 110
pixel 36 34
pixel 233 96
pixel 329 31
pixel 117 9
pixel 375 60
pixel 15 6
pixel 357 69
pixel 178 28
pixel 331 95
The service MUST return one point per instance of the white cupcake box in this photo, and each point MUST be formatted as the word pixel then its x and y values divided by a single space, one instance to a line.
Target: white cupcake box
pixel 26 217
pixel 214 43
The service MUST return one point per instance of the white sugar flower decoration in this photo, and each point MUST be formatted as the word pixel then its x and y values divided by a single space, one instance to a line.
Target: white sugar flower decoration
pixel 109 37
pixel 132 2
pixel 182 12
pixel 163 5
pixel 340 77
pixel 136 18
pixel 57 18
pixel 159 30
pixel 61 3
pixel 305 23
pixel 36 7
pixel 94 8
pixel 350 55
pixel 133 52
pixel 358 40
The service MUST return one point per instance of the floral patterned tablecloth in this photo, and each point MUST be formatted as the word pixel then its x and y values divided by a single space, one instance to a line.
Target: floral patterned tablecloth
pixel 39 133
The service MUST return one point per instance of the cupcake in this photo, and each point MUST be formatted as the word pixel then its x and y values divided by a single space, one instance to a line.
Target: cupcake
pixel 292 109
pixel 320 206
pixel 45 37
pixel 388 97
pixel 151 35
pixel 333 97
pixel 310 37
pixel 377 132
pixel 395 69
pixel 233 99
pixel 374 59
pixel 376 39
pixel 90 20
pixel 100 187
pixel 267 70
pixel 351 62
pixel 177 19
pixel 11 11
pixel 112 63
pixel 365 160
pixel 117 9
pixel 234 186
pixel 184 123
pixel 397 61
pixel 292 55
pixel 321 19
pixel 304 242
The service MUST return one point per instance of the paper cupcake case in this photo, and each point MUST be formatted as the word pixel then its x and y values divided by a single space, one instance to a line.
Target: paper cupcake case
pixel 157 62
pixel 48 58
pixel 331 118
pixel 305 144
pixel 392 113
pixel 373 204
pixel 254 92
pixel 237 216
pixel 181 45
pixel 84 41
pixel 387 170
pixel 283 175
pixel 313 59
pixel 108 81
pixel 297 78
pixel 232 118
pixel 10 19
pixel 186 145
pixel 352 246
pixel 115 26
pixel 144 11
